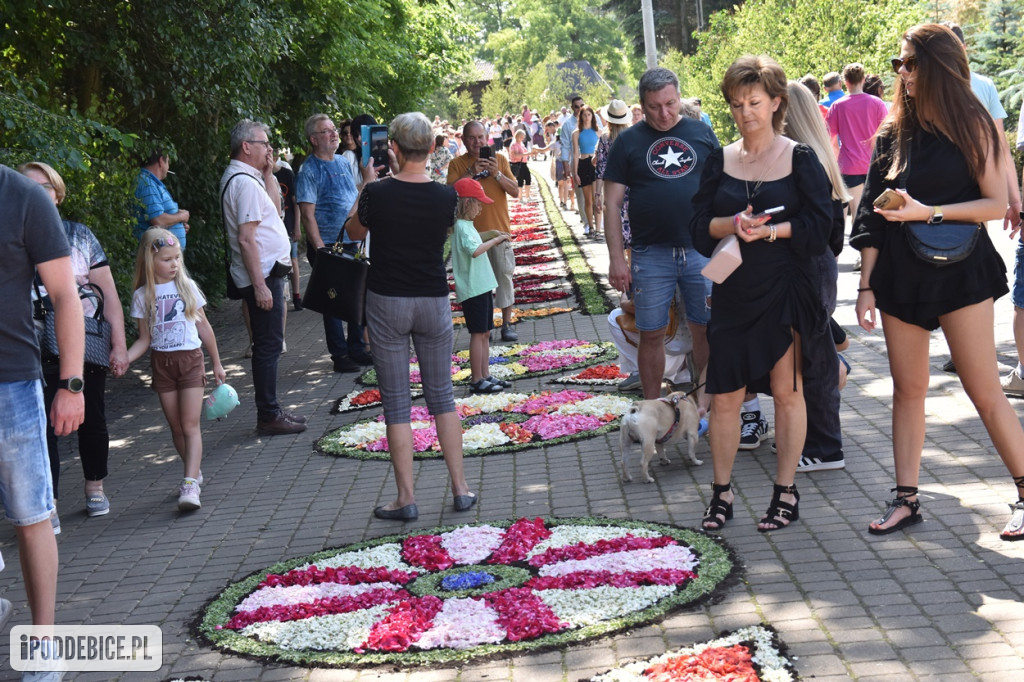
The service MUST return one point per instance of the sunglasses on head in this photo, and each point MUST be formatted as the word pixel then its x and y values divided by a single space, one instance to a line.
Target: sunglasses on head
pixel 161 243
pixel 910 63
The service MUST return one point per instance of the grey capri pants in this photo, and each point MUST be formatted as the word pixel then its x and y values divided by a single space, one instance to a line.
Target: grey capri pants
pixel 392 320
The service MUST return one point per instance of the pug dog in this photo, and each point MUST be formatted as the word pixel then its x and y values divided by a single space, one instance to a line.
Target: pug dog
pixel 655 424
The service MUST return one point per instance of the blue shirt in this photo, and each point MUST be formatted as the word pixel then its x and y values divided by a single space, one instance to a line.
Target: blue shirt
pixel 565 137
pixel 831 97
pixel 587 141
pixel 154 200
pixel 330 186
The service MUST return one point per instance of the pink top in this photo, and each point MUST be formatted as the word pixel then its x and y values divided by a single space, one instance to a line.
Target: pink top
pixel 855 118
pixel 517 152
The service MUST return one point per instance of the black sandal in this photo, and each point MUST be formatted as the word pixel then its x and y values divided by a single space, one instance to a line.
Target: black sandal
pixel 484 386
pixel 1014 528
pixel 894 504
pixel 719 511
pixel 780 514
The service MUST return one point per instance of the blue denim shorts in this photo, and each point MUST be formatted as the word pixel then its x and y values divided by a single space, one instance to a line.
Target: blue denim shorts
pixel 657 270
pixel 1018 276
pixel 26 489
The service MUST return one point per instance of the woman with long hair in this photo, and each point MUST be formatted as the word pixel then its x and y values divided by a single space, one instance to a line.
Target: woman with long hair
pixel 767 319
pixel 618 116
pixel 584 145
pixel 823 447
pixel 939 150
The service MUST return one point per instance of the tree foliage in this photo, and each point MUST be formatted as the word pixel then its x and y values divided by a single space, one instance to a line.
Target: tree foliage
pixel 844 31
pixel 180 74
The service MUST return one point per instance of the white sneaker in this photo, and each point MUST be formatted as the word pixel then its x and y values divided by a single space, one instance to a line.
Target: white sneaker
pixel 1013 384
pixel 753 427
pixel 188 496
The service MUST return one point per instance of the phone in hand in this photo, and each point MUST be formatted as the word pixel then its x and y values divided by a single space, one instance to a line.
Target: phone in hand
pixel 486 152
pixel 769 212
pixel 375 145
pixel 889 200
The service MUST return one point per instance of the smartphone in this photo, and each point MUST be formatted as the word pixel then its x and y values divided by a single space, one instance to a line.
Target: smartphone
pixel 375 145
pixel 890 200
pixel 487 152
pixel 769 212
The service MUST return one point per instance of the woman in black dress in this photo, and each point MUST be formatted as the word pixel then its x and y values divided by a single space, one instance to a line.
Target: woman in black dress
pixel 939 149
pixel 767 311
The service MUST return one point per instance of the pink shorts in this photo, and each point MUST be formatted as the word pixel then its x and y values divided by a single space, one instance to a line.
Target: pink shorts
pixel 178 369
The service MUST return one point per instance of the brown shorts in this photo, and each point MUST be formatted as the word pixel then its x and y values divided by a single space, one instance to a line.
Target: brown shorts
pixel 178 369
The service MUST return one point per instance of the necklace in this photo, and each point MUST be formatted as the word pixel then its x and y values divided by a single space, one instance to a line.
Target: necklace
pixel 764 173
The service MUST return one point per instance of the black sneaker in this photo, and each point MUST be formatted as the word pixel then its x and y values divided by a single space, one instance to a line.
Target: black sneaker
pixel 362 357
pixel 752 428
pixel 346 364
pixel 822 463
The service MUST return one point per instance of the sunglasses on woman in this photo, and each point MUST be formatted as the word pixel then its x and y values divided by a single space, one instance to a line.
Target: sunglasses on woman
pixel 910 63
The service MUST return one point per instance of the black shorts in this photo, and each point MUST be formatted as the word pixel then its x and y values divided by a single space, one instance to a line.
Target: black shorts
pixel 854 180
pixel 585 170
pixel 479 313
pixel 522 173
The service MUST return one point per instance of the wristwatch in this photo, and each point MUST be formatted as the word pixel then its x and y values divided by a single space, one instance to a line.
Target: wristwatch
pixel 936 215
pixel 74 384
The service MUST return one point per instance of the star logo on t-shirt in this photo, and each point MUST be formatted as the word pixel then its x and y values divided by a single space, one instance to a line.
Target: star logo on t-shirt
pixel 671 157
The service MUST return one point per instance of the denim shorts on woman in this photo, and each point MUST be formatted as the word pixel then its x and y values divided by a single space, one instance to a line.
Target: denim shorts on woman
pixel 1018 276
pixel 657 270
pixel 25 485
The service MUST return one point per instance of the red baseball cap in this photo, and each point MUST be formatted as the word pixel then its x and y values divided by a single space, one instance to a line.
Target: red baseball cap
pixel 471 189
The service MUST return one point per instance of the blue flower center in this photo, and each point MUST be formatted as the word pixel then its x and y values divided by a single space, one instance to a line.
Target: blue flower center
pixel 466 581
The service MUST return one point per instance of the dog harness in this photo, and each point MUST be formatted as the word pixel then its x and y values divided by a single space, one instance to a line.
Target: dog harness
pixel 674 403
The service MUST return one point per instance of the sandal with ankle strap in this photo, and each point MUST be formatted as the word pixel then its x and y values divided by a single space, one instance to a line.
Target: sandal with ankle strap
pixel 1014 528
pixel 781 514
pixel 719 511
pixel 894 504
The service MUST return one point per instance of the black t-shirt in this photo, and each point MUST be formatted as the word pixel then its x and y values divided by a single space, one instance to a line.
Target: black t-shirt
pixel 31 232
pixel 408 224
pixel 662 170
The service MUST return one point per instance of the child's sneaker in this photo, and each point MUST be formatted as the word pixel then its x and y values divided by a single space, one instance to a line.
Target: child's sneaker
pixel 188 495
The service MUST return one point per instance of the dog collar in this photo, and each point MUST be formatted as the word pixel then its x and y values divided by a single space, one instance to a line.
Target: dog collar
pixel 668 434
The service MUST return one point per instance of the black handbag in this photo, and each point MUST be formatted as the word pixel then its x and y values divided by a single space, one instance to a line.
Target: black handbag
pixel 97 329
pixel 942 243
pixel 337 285
pixel 939 244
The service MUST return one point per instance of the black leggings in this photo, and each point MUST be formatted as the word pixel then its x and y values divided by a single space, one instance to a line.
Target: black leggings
pixel 93 438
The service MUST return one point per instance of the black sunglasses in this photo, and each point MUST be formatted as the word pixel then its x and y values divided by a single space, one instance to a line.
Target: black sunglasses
pixel 910 63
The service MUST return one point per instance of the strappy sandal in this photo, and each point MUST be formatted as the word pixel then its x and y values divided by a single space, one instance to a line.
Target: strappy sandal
pixel 780 514
pixel 903 492
pixel 1014 529
pixel 484 386
pixel 719 511
pixel 499 382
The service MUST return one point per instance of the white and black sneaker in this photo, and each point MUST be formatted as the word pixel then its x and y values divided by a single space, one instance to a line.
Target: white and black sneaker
pixel 821 463
pixel 752 427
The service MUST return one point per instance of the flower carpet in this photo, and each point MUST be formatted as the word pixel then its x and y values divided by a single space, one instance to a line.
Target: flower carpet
pixel 458 593
pixel 750 654
pixel 499 422
pixel 363 398
pixel 598 375
pixel 521 360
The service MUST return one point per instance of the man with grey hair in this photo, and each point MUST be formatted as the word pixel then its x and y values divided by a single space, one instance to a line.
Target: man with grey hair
pixel 260 261
pixel 325 191
pixel 660 160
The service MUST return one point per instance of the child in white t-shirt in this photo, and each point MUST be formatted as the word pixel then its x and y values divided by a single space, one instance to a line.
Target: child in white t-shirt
pixel 168 307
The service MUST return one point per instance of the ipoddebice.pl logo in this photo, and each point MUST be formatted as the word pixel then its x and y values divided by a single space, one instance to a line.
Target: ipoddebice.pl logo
pixel 111 648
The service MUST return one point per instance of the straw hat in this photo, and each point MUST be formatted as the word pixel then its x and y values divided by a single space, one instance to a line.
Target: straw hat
pixel 617 112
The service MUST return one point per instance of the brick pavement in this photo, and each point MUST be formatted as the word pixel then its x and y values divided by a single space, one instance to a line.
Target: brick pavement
pixel 941 602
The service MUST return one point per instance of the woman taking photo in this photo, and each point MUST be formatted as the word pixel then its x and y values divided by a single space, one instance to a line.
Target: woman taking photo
pixel 407 298
pixel 584 145
pixel 939 150
pixel 768 311
pixel 90 265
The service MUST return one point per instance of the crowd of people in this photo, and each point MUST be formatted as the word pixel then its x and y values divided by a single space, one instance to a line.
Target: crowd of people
pixel 652 179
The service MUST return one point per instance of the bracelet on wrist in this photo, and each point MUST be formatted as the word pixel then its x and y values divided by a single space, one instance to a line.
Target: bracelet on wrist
pixel 771 233
pixel 859 290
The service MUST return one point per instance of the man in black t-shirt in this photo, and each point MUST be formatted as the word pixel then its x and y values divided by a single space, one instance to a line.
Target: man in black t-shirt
pixel 660 160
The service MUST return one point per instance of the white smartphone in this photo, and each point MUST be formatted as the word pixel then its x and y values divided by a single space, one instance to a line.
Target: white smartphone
pixel 770 211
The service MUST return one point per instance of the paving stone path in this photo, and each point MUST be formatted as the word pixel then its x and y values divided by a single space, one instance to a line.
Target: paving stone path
pixel 941 602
